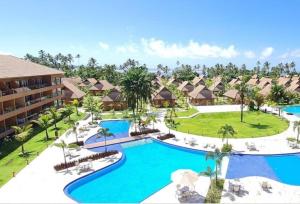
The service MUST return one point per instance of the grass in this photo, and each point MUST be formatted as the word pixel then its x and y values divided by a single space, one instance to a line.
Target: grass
pixel 256 124
pixel 186 113
pixel 215 191
pixel 11 161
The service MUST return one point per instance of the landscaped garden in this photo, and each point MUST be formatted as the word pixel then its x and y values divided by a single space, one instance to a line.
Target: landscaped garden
pixel 11 159
pixel 256 124
pixel 186 113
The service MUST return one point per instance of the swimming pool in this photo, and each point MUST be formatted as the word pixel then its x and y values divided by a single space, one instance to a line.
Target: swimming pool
pixel 292 109
pixel 119 129
pixel 282 168
pixel 146 168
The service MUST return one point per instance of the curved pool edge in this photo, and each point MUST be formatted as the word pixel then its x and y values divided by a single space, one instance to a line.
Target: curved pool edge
pixel 100 171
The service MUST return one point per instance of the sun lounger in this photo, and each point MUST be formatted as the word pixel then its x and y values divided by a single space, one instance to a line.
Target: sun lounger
pixel 265 185
pixel 236 189
pixel 213 146
pixel 251 146
pixel 192 142
pixel 206 146
pixel 293 145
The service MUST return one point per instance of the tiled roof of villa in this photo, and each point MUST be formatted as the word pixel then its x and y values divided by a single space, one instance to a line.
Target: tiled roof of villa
pixel 197 79
pixel 186 86
pixel 293 87
pixel 14 67
pixel 101 85
pixel 266 90
pixel 253 81
pixel 202 92
pixel 114 96
pixel 263 82
pixel 284 81
pixel 232 93
pixel 173 81
pixel 163 93
pixel 75 92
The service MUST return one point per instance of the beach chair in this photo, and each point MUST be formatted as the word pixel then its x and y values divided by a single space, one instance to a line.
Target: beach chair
pixel 205 146
pixel 265 185
pixel 192 142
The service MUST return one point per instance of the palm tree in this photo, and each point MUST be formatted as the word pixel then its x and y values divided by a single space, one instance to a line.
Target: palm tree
pixel 152 118
pixel 21 134
pixel 226 131
pixel 278 93
pixel 296 126
pixel 104 132
pixel 68 110
pixel 54 115
pixel 217 156
pixel 91 105
pixel 208 172
pixel 75 103
pixel 243 90
pixel 62 145
pixel 44 121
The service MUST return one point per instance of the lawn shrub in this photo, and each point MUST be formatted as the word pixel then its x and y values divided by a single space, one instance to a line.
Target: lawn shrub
pixel 215 191
pixel 226 148
pixel 166 136
pixel 148 131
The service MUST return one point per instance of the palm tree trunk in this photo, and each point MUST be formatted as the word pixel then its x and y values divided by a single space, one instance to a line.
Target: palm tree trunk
pixel 47 136
pixel 242 110
pixel 77 111
pixel 22 149
pixel 105 143
pixel 55 127
pixel 92 117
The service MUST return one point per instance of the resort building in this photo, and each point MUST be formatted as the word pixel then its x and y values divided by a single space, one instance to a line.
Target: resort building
pixel 233 96
pixel 88 82
pixel 235 81
pixel 26 89
pixel 263 82
pixel 201 95
pixel 253 81
pixel 163 96
pixel 294 87
pixel 100 86
pixel 266 90
pixel 198 81
pixel 284 81
pixel 186 87
pixel 114 100
pixel 217 87
pixel 71 91
pixel 174 81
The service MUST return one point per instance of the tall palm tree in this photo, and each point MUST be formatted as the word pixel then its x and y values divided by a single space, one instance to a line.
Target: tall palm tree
pixel 208 172
pixel 278 93
pixel 91 105
pixel 21 134
pixel 226 131
pixel 152 118
pixel 54 115
pixel 296 127
pixel 217 156
pixel 63 146
pixel 44 121
pixel 68 110
pixel 75 103
pixel 78 57
pixel 104 132
pixel 243 90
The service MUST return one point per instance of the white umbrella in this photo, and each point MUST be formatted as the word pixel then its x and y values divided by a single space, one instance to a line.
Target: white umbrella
pixel 184 177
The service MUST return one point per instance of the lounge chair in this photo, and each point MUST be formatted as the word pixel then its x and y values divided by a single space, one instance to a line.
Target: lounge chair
pixel 293 145
pixel 205 146
pixel 192 142
pixel 213 146
pixel 265 185
pixel 236 189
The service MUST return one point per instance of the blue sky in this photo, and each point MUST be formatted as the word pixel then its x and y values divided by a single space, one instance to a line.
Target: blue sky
pixel 155 31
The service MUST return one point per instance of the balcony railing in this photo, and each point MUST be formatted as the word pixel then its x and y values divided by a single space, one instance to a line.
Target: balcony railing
pixel 29 87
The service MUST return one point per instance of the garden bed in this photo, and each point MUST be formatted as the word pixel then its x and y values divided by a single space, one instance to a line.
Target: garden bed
pixel 148 131
pixel 166 136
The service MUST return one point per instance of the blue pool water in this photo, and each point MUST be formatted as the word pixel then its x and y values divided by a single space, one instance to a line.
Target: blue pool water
pixel 147 167
pixel 119 129
pixel 282 168
pixel 292 109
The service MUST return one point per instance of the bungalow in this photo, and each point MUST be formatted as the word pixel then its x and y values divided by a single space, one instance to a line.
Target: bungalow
pixel 201 95
pixel 174 81
pixel 235 81
pixel 233 96
pixel 198 81
pixel 253 81
pixel 163 96
pixel 100 86
pixel 263 82
pixel 294 87
pixel 114 100
pixel 186 87
pixel 217 87
pixel 266 90
pixel 284 81
pixel 88 82
pixel 71 91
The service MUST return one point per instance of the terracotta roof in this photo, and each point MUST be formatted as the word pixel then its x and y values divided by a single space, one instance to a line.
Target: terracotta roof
pixel 266 90
pixel 163 93
pixel 74 80
pixel 202 92
pixel 186 86
pixel 13 67
pixel 101 85
pixel 114 96
pixel 88 82
pixel 74 92
pixel 233 94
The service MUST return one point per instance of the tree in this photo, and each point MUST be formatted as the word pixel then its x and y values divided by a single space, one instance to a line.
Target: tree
pixel 44 121
pixel 152 118
pixel 63 146
pixel 226 131
pixel 104 132
pixel 208 172
pixel 171 113
pixel 242 90
pixel 68 110
pixel 217 156
pixel 55 116
pixel 296 127
pixel 75 103
pixel 277 94
pixel 91 105
pixel 21 134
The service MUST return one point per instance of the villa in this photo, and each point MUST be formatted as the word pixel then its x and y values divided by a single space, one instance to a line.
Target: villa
pixel 88 82
pixel 235 81
pixel 25 94
pixel 217 86
pixel 233 96
pixel 100 86
pixel 266 90
pixel 114 100
pixel 201 95
pixel 71 91
pixel 284 81
pixel 253 81
pixel 174 81
pixel 198 81
pixel 186 87
pixel 263 82
pixel 163 96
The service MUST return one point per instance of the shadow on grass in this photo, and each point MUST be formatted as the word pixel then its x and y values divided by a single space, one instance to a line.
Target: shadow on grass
pixel 259 126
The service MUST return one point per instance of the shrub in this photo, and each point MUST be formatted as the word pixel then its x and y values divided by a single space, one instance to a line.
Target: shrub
pixel 79 143
pixel 166 136
pixel 215 191
pixel 226 148
pixel 148 131
pixel 93 157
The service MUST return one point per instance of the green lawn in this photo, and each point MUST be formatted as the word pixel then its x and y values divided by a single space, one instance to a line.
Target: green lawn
pixel 186 113
pixel 256 124
pixel 10 161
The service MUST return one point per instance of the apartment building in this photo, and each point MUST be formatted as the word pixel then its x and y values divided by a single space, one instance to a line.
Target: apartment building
pixel 26 90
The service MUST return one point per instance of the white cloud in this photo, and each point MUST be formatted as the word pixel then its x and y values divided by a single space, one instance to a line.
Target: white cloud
pixel 191 50
pixel 267 52
pixel 293 53
pixel 249 54
pixel 127 49
pixel 103 45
